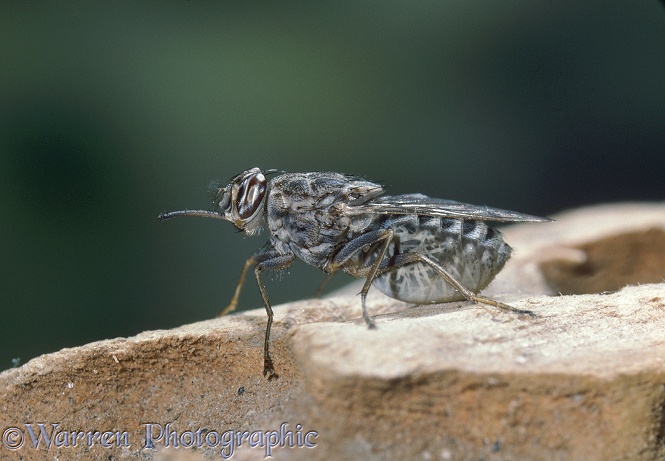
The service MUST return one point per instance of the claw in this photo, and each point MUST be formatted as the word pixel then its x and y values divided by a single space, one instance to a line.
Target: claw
pixel 268 370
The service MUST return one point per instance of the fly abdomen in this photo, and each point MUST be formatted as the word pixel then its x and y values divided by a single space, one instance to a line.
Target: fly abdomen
pixel 468 250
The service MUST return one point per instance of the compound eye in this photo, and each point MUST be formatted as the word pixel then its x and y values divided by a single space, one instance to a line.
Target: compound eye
pixel 251 192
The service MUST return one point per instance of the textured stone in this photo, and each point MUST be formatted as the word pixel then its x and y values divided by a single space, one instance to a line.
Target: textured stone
pixel 584 380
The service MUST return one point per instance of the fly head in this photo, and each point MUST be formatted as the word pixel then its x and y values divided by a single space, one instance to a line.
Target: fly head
pixel 242 201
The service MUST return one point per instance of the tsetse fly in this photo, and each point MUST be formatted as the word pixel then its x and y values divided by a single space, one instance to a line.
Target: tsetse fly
pixel 410 247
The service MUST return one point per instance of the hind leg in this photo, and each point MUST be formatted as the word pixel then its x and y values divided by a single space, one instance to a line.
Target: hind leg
pixel 411 258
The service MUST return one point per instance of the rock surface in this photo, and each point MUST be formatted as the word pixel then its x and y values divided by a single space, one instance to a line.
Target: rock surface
pixel 584 380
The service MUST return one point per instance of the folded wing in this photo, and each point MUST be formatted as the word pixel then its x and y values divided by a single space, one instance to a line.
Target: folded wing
pixel 420 204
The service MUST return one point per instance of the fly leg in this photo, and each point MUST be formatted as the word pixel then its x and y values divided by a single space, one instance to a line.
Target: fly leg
pixel 274 263
pixel 353 247
pixel 409 258
pixel 241 281
pixel 323 285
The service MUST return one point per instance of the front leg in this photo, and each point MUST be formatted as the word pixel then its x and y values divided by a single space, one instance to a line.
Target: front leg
pixel 274 263
pixel 252 260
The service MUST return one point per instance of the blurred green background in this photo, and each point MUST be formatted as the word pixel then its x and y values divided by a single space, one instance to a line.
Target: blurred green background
pixel 111 112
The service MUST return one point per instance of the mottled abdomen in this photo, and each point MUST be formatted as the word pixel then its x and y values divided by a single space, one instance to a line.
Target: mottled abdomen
pixel 470 251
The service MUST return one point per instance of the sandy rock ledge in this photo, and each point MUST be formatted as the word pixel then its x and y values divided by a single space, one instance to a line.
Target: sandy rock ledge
pixel 584 380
